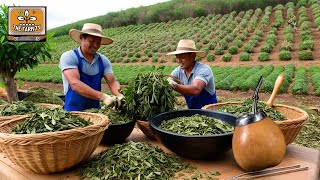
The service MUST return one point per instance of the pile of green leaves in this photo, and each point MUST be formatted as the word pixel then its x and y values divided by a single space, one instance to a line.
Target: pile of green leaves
pixel 148 95
pixel 43 95
pixel 3 102
pixel 246 106
pixel 196 125
pixel 18 108
pixel 50 120
pixel 115 117
pixel 132 160
pixel 309 135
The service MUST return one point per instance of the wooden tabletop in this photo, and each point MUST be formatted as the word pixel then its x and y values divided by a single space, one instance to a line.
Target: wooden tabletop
pixel 225 165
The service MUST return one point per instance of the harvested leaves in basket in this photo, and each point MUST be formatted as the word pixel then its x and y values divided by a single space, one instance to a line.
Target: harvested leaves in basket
pixel 246 106
pixel 17 108
pixel 50 120
pixel 196 125
pixel 148 95
pixel 132 160
pixel 115 117
pixel 43 95
pixel 3 102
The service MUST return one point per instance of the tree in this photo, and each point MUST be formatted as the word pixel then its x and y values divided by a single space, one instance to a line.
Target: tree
pixel 15 56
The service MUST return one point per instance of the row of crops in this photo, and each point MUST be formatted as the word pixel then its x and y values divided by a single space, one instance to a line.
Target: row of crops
pixel 236 35
pixel 228 78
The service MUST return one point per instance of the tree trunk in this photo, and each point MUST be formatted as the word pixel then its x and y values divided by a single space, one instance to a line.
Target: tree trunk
pixel 11 86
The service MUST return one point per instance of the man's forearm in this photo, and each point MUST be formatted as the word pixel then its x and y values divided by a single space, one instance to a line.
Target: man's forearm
pixel 114 87
pixel 86 91
pixel 188 90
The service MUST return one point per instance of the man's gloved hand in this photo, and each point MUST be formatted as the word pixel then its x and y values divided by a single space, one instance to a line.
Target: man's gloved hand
pixel 109 100
pixel 120 96
pixel 172 83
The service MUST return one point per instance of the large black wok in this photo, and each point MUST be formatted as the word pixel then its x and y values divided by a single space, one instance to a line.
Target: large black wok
pixel 193 147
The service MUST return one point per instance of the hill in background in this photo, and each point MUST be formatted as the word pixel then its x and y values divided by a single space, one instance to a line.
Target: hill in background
pixel 169 11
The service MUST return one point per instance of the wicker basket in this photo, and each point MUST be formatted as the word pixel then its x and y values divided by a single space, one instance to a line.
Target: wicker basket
pixel 146 129
pixel 53 151
pixel 295 119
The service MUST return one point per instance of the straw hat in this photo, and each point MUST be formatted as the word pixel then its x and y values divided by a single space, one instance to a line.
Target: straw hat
pixel 92 29
pixel 187 46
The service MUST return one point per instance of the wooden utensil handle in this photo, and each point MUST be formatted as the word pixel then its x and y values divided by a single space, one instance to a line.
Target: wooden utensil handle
pixel 276 88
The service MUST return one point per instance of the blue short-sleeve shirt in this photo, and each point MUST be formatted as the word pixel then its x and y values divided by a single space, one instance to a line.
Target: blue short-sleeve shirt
pixel 69 60
pixel 200 71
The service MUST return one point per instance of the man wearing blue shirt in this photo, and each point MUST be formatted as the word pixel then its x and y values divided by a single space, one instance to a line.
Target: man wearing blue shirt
pixel 83 68
pixel 197 80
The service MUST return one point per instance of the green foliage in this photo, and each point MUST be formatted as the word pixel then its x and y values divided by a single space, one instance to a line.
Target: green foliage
pixel 245 56
pixel 302 3
pixel 285 55
pixel 211 57
pixel 233 49
pixel 155 59
pixel 148 95
pixel 126 60
pixel 300 85
pixel 130 54
pixel 218 51
pixel 306 25
pixel 138 55
pixel 315 78
pixel 238 43
pixel 227 57
pixel 133 59
pixel 263 56
pixel 266 47
pixel 305 55
pixel 144 59
pixel 249 48
pixel 306 45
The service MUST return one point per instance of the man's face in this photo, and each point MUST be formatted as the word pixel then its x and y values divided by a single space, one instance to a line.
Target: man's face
pixel 185 60
pixel 90 44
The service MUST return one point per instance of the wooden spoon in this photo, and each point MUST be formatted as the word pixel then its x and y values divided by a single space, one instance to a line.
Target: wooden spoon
pixel 276 88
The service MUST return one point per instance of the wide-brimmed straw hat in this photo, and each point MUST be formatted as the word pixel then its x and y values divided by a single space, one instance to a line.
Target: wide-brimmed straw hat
pixel 187 46
pixel 92 29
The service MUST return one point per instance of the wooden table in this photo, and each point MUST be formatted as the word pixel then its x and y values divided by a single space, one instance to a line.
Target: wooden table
pixel 226 165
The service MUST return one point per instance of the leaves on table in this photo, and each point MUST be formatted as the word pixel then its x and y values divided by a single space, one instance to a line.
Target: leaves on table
pixel 132 160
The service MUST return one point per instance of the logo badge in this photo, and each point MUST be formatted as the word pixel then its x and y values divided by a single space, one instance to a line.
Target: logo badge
pixel 27 23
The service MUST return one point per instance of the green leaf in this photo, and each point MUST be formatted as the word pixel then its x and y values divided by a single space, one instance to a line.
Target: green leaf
pixel 48 127
pixel 2 38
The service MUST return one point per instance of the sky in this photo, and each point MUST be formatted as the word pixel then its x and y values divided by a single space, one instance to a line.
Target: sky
pixel 61 12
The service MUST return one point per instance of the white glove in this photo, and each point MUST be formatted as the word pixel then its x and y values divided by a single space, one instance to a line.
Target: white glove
pixel 120 96
pixel 172 83
pixel 109 100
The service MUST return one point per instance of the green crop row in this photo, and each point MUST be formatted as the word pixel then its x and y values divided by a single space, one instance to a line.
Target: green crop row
pixel 315 78
pixel 228 78
pixel 300 85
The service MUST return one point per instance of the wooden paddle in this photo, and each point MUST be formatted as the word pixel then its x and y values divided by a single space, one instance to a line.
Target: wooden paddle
pixel 276 88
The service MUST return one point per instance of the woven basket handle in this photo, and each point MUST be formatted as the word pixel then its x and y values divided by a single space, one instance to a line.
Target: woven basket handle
pixel 174 78
pixel 276 88
pixel 5 121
